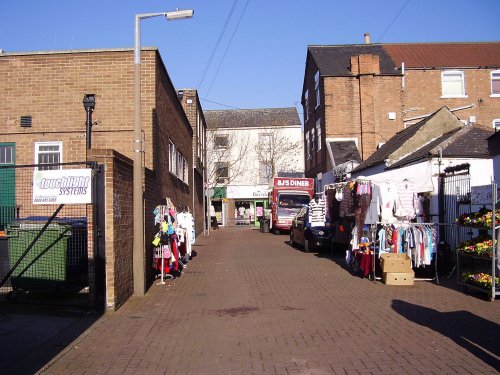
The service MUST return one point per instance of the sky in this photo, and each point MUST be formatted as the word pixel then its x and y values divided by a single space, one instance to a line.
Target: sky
pixel 241 54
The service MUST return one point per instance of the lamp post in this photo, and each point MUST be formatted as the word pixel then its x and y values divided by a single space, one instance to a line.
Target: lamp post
pixel 138 211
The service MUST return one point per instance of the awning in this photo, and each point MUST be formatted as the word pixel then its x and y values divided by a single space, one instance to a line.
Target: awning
pixel 219 192
pixel 420 174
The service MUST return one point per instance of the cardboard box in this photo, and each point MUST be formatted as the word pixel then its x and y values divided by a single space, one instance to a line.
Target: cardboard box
pixel 395 262
pixel 398 278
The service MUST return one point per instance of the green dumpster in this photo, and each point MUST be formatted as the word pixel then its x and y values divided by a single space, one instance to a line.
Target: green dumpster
pixel 45 264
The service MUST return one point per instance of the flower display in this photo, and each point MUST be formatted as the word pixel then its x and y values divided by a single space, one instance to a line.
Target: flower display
pixel 480 219
pixel 480 279
pixel 482 246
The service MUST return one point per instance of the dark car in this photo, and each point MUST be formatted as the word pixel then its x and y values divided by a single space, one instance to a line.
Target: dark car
pixel 307 236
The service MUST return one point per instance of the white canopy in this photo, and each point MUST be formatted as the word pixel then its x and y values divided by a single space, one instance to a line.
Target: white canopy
pixel 420 174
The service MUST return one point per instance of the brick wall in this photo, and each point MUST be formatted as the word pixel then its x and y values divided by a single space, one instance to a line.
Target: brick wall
pixel 50 88
pixel 369 124
pixel 117 228
pixel 422 95
pixel 194 113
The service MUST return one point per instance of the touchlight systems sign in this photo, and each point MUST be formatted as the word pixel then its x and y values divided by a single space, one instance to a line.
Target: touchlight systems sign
pixel 68 186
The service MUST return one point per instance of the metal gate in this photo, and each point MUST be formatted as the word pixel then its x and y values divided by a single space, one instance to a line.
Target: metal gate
pixel 454 200
pixel 48 252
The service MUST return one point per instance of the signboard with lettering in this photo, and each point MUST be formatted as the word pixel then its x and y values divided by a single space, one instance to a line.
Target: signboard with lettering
pixel 481 194
pixel 282 182
pixel 67 186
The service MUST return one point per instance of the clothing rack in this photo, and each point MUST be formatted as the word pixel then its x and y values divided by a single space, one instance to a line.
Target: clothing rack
pixel 374 240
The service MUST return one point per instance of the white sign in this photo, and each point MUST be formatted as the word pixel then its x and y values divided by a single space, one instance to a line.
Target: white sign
pixel 481 194
pixel 68 186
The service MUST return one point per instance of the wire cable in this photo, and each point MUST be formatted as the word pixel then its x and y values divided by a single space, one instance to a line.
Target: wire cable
pixel 224 105
pixel 223 31
pixel 227 48
pixel 393 20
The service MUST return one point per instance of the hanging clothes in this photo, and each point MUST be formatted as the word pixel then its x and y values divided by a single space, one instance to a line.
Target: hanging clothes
pixel 317 212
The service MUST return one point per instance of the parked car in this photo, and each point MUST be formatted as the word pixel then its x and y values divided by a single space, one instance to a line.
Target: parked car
pixel 307 236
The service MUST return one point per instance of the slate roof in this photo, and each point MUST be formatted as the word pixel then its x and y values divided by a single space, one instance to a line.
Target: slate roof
pixel 249 118
pixel 469 141
pixel 393 144
pixel 344 151
pixel 334 60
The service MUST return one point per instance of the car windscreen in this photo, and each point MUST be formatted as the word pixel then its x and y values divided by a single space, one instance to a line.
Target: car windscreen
pixel 290 200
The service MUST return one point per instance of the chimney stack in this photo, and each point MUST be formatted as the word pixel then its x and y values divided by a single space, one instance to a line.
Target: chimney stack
pixel 367 38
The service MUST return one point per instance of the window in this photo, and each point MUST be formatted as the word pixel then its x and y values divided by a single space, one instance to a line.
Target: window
pixel 306 105
pixel 221 141
pixel 7 153
pixel 264 173
pixel 453 85
pixel 177 163
pixel 48 153
pixel 308 147
pixel 318 134
pixel 495 83
pixel 496 124
pixel 265 143
pixel 313 139
pixel 222 172
pixel 316 89
pixel 172 158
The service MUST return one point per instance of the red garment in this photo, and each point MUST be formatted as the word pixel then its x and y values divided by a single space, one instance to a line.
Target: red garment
pixel 365 261
pixel 394 240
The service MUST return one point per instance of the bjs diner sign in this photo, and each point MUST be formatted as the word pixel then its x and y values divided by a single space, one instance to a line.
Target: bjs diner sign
pixel 293 182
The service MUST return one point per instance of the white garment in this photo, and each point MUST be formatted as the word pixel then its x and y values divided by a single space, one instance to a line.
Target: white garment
pixel 406 201
pixel 388 198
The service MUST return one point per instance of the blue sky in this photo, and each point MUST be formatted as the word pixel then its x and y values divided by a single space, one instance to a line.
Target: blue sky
pixel 260 58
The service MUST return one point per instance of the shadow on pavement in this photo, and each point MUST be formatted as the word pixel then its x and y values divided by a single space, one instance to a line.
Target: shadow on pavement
pixel 474 333
pixel 30 337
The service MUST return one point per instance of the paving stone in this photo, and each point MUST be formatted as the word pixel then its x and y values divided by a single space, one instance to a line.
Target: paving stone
pixel 249 303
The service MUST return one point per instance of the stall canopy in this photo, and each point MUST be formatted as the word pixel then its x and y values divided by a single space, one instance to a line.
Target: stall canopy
pixel 420 174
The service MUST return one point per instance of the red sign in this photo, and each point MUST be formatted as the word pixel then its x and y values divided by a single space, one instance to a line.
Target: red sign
pixel 284 182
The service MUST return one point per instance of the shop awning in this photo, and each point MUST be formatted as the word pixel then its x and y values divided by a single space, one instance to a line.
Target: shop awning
pixel 219 192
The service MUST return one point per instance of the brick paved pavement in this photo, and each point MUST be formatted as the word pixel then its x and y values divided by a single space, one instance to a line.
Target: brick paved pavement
pixel 251 304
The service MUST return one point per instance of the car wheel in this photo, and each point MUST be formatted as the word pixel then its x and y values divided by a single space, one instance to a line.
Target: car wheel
pixel 292 242
pixel 307 246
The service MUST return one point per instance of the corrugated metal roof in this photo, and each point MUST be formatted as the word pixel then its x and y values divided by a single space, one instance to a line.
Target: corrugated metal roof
pixel 335 60
pixel 445 55
pixel 247 118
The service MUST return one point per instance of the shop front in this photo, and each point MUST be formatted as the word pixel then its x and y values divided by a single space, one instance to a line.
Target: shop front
pixel 246 204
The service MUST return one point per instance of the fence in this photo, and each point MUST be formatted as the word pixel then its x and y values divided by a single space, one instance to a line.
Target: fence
pixel 454 200
pixel 47 251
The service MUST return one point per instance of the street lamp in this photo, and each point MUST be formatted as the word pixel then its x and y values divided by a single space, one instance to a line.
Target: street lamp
pixel 89 105
pixel 138 211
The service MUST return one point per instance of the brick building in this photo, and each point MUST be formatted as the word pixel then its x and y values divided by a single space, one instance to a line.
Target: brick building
pixel 43 121
pixel 356 97
pixel 192 107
